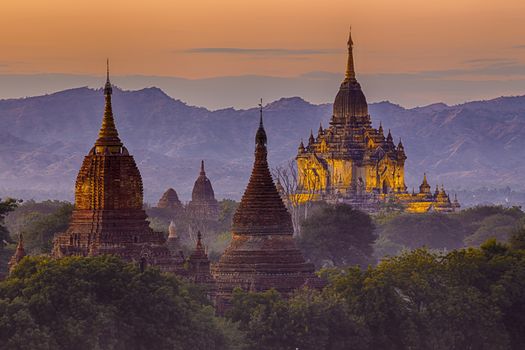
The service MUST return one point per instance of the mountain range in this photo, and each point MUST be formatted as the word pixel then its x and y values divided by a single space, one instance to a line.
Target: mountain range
pixel 43 140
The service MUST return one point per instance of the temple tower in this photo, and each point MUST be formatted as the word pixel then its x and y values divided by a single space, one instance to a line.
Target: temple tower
pixel 262 253
pixel 203 204
pixel 108 217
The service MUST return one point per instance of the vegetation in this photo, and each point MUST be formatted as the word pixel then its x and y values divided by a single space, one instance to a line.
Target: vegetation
pixel 6 206
pixel 39 222
pixel 470 227
pixel 103 303
pixel 337 236
pixel 466 299
pixel 216 233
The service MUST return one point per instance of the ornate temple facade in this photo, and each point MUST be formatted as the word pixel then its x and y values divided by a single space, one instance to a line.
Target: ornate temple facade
pixel 262 254
pixel 350 160
pixel 108 217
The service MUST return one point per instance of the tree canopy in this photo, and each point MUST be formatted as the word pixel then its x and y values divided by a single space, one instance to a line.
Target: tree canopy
pixel 337 235
pixel 101 303
pixel 466 299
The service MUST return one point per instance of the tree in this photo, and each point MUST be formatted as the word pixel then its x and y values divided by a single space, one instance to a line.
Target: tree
pixel 337 235
pixel 308 320
pixel 433 230
pixel 6 206
pixel 102 303
pixel 517 238
pixel 297 200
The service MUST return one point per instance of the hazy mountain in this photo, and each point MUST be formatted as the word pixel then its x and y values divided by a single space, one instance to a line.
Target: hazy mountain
pixel 43 140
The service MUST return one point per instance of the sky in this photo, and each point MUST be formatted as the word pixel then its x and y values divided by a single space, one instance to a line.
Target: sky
pixel 414 45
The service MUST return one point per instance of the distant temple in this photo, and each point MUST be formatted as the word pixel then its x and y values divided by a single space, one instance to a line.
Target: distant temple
pixel 108 217
pixel 170 200
pixel 203 204
pixel 262 254
pixel 352 162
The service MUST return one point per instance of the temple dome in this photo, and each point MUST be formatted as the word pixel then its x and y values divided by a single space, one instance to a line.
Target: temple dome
pixel 202 189
pixel 350 100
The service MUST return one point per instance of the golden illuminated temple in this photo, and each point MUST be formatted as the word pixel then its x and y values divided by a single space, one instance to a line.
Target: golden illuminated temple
pixel 352 162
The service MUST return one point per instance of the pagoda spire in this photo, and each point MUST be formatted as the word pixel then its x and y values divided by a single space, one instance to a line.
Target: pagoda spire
pixel 260 136
pixel 350 70
pixel 108 134
pixel 261 210
pixel 202 168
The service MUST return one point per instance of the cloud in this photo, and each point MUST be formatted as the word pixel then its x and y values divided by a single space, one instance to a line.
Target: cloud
pixel 519 47
pixel 490 61
pixel 479 67
pixel 261 51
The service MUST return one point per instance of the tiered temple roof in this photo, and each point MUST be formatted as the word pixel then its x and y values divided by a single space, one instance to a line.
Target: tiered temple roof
pixel 262 253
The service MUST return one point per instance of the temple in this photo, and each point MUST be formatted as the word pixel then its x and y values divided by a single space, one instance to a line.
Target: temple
pixel 203 203
pixel 199 268
pixel 352 162
pixel 108 217
pixel 170 200
pixel 262 254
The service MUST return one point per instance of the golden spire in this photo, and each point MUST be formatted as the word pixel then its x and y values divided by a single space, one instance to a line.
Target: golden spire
pixel 350 71
pixel 108 134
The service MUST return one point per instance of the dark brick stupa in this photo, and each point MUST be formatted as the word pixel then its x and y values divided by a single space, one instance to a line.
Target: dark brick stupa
pixel 108 217
pixel 262 254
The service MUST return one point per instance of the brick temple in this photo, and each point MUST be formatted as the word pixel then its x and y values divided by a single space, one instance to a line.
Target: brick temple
pixel 203 204
pixel 262 254
pixel 108 217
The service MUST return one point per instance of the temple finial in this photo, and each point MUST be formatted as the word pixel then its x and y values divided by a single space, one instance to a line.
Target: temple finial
pixel 202 168
pixel 260 113
pixel 108 90
pixel 260 137
pixel 350 71
pixel 108 138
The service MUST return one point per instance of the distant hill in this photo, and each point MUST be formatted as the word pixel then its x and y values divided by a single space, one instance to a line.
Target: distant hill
pixel 43 140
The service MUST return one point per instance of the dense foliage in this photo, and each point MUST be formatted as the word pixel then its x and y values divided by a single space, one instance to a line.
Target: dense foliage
pixel 467 299
pixel 39 222
pixel 337 235
pixel 6 206
pixel 470 227
pixel 102 303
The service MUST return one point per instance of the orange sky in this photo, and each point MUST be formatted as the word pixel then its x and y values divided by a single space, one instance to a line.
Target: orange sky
pixel 271 37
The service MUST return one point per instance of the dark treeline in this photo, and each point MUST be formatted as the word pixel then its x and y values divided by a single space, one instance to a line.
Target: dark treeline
pixel 422 298
pixel 467 299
